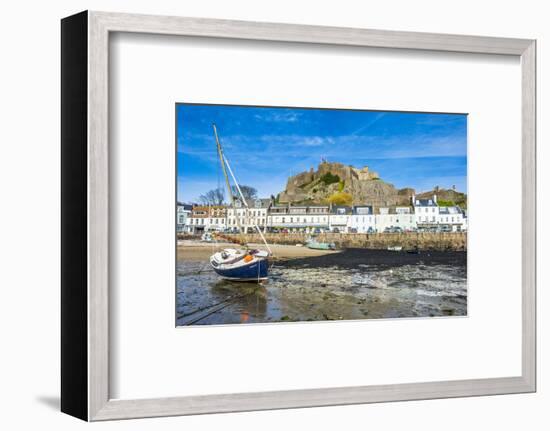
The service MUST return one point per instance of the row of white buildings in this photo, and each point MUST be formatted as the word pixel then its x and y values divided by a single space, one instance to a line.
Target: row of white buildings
pixel 421 215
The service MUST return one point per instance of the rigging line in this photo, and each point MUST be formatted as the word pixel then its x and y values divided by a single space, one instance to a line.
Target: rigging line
pixel 218 177
pixel 245 203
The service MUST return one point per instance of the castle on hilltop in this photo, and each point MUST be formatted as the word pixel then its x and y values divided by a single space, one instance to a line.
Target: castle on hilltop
pixel 345 172
pixel 331 177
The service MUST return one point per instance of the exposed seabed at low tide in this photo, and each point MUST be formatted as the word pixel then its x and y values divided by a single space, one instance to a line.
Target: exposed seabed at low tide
pixel 354 284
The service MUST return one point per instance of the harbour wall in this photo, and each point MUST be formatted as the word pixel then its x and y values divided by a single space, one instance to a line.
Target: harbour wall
pixel 456 241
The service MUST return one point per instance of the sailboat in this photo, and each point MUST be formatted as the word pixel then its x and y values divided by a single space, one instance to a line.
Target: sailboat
pixel 239 264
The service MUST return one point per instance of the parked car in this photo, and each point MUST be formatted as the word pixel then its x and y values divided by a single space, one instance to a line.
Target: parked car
pixel 335 230
pixel 353 230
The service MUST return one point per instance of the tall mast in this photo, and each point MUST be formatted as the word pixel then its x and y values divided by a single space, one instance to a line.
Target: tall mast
pixel 220 155
pixel 227 183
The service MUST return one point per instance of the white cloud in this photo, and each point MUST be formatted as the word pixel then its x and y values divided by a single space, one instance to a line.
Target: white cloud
pixel 278 117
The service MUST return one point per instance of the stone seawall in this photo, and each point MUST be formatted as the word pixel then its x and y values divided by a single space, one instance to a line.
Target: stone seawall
pixel 409 241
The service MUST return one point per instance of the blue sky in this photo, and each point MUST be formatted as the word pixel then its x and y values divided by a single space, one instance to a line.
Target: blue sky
pixel 266 145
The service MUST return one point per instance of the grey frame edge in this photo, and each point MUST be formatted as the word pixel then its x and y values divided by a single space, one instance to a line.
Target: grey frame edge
pixel 92 280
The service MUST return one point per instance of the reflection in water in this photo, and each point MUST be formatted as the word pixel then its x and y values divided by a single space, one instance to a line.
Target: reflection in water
pixel 247 299
pixel 310 294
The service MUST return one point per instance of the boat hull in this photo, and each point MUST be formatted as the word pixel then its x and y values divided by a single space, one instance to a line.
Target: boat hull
pixel 320 246
pixel 255 271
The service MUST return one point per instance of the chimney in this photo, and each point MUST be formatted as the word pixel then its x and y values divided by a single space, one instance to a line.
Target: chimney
pixel 413 199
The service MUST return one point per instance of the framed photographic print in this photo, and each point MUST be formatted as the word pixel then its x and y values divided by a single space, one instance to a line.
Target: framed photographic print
pixel 328 204
pixel 309 232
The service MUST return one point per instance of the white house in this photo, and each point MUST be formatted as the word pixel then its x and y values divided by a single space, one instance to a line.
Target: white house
pixel 362 220
pixel 426 212
pixel 452 218
pixel 183 213
pixel 207 218
pixel 385 219
pixel 339 218
pixel 395 217
pixel 299 218
pixel 255 214
pixel 404 218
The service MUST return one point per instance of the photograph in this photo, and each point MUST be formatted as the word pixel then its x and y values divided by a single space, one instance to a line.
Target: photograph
pixel 302 214
pixel 256 215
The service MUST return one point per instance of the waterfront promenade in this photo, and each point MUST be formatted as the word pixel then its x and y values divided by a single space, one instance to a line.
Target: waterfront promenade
pixel 450 241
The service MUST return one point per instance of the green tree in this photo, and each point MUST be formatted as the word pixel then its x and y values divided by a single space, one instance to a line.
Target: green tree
pixel 329 178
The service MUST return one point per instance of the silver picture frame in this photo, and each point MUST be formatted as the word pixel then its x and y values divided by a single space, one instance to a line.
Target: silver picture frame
pixel 85 215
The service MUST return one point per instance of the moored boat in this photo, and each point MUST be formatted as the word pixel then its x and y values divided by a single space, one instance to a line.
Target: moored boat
pixel 395 248
pixel 239 264
pixel 207 237
pixel 316 245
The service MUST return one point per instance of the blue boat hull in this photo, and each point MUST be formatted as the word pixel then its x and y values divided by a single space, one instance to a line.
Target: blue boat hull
pixel 255 271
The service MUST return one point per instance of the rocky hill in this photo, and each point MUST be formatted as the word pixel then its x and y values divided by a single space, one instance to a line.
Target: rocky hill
pixel 446 197
pixel 344 185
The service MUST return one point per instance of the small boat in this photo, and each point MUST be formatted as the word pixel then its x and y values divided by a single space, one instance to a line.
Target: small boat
pixel 395 248
pixel 316 245
pixel 239 264
pixel 207 237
